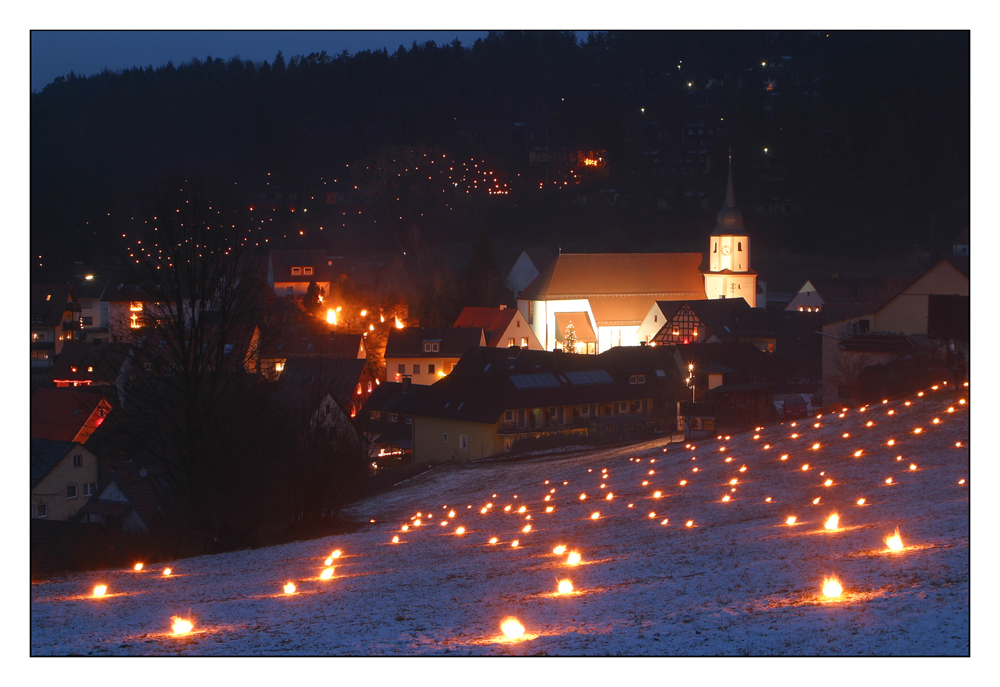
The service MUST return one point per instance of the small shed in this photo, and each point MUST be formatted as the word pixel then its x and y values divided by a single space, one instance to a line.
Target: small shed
pixel 738 406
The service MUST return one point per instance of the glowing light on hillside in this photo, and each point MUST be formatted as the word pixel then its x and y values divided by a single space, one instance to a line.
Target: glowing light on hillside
pixel 888 480
pixel 559 550
pixel 726 497
pixel 326 574
pixel 936 420
pixel 657 494
pixel 167 572
pixel 395 540
pixel 832 522
pixel 525 529
pixel 961 481
pixel 894 541
pixel 828 483
pixel 805 467
pixel 138 567
pixel 815 446
pixel 289 588
pixel 583 497
pixel 493 540
pixel 652 514
pixel 459 530
pixel 565 587
pixel 816 501
pixel 610 496
pixel 511 628
pixel 689 523
pixel 574 558
pixel 832 587
pixel 451 514
pixel 767 500
pixel 791 520
pixel 683 482
pixel 784 457
pixel 918 430
pixel 331 316
pixel 595 515
pixel 100 590
pixel 861 502
pixel 549 509
pixel 181 626
pixel 521 509
pixel 514 544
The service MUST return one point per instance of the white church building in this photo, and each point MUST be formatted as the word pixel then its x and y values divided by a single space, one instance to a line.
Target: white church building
pixel 606 296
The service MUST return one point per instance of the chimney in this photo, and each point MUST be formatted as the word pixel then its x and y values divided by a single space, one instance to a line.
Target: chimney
pixel 503 306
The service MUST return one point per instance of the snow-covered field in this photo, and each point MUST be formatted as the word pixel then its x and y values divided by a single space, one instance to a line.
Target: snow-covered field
pixel 667 567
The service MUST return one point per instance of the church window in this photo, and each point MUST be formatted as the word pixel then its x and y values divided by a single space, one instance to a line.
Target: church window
pixel 739 245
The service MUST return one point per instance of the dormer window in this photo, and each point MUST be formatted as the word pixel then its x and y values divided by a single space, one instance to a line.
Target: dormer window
pixel 307 270
pixel 296 271
pixel 431 347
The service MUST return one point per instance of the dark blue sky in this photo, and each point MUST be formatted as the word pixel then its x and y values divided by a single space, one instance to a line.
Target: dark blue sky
pixel 56 53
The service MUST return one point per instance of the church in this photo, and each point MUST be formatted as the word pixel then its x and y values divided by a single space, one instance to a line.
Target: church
pixel 606 296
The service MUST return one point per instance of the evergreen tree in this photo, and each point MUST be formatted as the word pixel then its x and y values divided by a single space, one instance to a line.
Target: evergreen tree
pixel 569 338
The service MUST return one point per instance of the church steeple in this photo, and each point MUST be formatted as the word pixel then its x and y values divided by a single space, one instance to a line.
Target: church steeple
pixel 729 219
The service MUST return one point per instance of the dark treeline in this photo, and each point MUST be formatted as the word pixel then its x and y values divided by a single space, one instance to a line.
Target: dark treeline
pixel 868 132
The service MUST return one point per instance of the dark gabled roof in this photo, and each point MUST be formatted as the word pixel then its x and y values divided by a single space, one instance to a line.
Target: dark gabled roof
pixel 282 261
pixel 736 388
pixel 585 275
pixel 121 288
pixel 488 381
pixel 876 342
pixel 961 262
pixel 751 364
pixel 540 257
pixel 147 492
pixel 493 321
pixel 337 376
pixel 45 455
pixel 453 341
pixel 105 359
pixel 312 338
pixel 48 303
pixel 61 414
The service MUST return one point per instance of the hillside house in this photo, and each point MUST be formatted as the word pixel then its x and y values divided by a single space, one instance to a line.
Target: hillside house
pixel 502 327
pixel 63 477
pixel 55 319
pixel 289 272
pixel 424 354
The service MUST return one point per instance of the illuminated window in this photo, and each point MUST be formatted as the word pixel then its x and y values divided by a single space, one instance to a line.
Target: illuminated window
pixel 278 367
pixel 135 306
pixel 307 270
pixel 134 321
pixel 296 270
pixel 369 387
pixel 510 342
pixel 524 342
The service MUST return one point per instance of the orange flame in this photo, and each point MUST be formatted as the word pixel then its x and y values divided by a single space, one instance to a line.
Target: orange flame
pixel 167 572
pixel 331 316
pixel 833 522
pixel 831 587
pixel 565 586
pixel 790 520
pixel 399 325
pixel 894 541
pixel 138 567
pixel 289 588
pixel 511 628
pixel 326 574
pixel 100 590
pixel 181 626
pixel 574 558
pixel 559 549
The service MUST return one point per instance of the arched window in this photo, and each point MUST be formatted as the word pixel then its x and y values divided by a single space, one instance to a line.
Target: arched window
pixel 739 245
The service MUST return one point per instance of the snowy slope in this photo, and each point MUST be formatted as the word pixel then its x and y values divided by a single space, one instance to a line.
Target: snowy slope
pixel 738 581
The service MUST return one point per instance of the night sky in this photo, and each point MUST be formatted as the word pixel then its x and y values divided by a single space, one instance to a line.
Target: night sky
pixel 56 53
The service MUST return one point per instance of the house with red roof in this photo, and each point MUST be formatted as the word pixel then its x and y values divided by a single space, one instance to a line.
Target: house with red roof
pixel 66 414
pixel 55 319
pixel 502 327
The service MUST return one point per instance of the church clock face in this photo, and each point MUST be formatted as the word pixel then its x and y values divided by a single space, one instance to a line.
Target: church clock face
pixel 726 250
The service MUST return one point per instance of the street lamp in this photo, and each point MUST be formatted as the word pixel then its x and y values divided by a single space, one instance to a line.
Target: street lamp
pixel 690 380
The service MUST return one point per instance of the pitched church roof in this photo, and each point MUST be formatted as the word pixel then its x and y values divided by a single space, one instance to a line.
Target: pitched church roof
pixel 730 219
pixel 666 276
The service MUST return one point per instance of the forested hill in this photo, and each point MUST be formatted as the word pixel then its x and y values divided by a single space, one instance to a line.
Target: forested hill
pixel 866 133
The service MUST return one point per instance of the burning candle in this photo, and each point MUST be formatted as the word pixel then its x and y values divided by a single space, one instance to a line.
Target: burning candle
pixel 100 590
pixel 828 483
pixel 549 509
pixel 791 520
pixel 514 544
pixel 816 501
pixel 689 523
pixel 831 587
pixel 559 550
pixel 395 540
pixel 573 558
pixel 888 480
pixel 652 514
pixel 167 572
pixel 326 574
pixel 657 494
pixel 493 540
pixel 683 482
pixel 767 500
pixel 726 497
pixel 832 522
pixel 511 628
pixel 913 466
pixel 805 467
pixel 461 530
pixel 784 457
pixel 525 529
pixel 861 502
pixel 138 567
pixel 583 497
pixel 289 588
pixel 181 626
pixel 565 586
pixel 595 515
pixel 894 541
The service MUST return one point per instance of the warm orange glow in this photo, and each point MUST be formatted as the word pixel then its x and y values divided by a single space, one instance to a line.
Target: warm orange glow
pixel 451 514
pixel 549 509
pixel 610 496
pixel 565 586
pixel 511 628
pixel 514 544
pixel 525 529
pixel 583 497
pixel 784 457
pixel 138 567
pixel 815 446
pixel 888 480
pixel 816 501
pixel 521 509
pixel 767 500
pixel 689 523
pixel 657 494
pixel 861 502
pixel 493 540
pixel 326 574
pixel 167 572
pixel 399 325
pixel 595 515
pixel 289 588
pixel 395 540
pixel 561 549
pixel 181 626
pixel 832 522
pixel 961 481
pixel 918 430
pixel 100 590
pixel 805 467
pixel 828 483
pixel 573 558
pixel 791 520
pixel 331 316
pixel 831 587
pixel 894 541
pixel 726 497
pixel 459 530
pixel 683 482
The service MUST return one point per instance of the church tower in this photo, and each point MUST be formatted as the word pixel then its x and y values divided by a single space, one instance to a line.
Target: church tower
pixel 729 274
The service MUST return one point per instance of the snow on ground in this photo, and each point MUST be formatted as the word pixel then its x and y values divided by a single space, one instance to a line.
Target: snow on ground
pixel 737 581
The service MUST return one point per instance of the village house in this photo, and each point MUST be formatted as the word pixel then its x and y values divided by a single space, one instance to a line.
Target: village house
pixel 502 327
pixel 290 271
pixel 386 425
pixel 606 296
pixel 55 319
pixel 424 354
pixel 91 363
pixel 132 500
pixel 495 398
pixel 63 476
pixel 926 319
